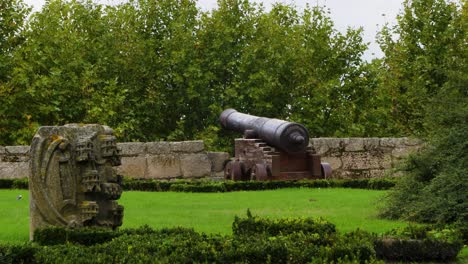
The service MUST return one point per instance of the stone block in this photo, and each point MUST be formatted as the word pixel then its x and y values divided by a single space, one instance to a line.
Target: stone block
pixel 163 166
pixel 134 167
pixel 360 161
pixel 2 150
pixel 320 145
pixel 400 142
pixel 377 173
pixel 385 161
pixel 217 159
pixel 334 162
pixel 412 142
pixel 388 142
pixel 341 174
pixel 353 144
pixel 195 165
pixel 17 150
pixel 15 158
pixel 404 151
pixel 160 147
pixel 371 143
pixel 14 170
pixel 132 148
pixel 188 146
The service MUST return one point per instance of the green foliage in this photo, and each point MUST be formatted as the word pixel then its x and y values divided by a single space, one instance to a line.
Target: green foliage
pixel 254 240
pixel 14 183
pixel 12 20
pixel 252 226
pixel 164 70
pixel 20 254
pixel 420 54
pixel 419 243
pixel 230 186
pixel 206 185
pixel 432 55
pixel 299 242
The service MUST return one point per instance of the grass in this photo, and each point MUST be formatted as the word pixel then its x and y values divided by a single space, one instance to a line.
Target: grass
pixel 214 212
pixel 348 209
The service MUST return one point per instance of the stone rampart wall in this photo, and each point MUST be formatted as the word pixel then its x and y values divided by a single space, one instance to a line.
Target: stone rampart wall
pixel 353 158
pixel 349 158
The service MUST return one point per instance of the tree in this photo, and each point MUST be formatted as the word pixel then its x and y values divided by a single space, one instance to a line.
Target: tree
pixel 12 18
pixel 434 189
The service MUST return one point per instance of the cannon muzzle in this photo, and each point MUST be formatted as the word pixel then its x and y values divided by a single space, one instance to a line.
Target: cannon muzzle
pixel 287 136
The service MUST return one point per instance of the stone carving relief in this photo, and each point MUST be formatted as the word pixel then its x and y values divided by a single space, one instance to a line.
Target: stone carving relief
pixel 72 180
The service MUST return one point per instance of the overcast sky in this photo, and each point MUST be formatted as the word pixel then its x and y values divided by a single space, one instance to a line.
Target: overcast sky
pixel 369 14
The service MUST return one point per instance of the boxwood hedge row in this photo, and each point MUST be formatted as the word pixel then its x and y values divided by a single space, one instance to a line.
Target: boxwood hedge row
pixel 254 240
pixel 228 186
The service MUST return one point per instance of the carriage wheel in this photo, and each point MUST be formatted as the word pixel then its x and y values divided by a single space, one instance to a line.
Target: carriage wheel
pixel 326 170
pixel 259 172
pixel 233 171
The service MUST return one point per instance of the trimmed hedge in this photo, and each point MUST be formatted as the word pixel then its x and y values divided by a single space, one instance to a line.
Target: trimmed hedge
pixel 419 243
pixel 254 240
pixel 14 183
pixel 231 186
pixel 253 225
pixel 130 184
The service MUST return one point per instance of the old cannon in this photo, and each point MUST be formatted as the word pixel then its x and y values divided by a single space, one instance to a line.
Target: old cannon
pixel 271 149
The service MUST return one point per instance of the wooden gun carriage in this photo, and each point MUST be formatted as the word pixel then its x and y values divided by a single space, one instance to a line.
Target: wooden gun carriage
pixel 271 149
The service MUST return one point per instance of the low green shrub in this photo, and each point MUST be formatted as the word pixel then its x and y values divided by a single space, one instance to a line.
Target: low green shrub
pixel 20 183
pixel 231 186
pixel 10 254
pixel 151 185
pixel 14 183
pixel 356 246
pixel 254 240
pixel 419 243
pixel 6 183
pixel 254 225
pixel 84 236
pixel 193 247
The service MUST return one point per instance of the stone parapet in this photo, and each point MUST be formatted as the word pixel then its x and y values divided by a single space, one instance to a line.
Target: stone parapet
pixel 352 158
pixel 349 158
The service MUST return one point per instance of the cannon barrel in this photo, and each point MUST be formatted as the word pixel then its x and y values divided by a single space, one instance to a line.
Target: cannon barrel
pixel 287 136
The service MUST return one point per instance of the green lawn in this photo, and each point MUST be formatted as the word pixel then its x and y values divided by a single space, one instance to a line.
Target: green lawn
pixel 214 212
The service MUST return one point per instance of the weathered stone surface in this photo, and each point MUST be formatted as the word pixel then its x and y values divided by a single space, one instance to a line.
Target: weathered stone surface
pixel 320 145
pixel 400 152
pixel 377 173
pixel 160 147
pixel 195 165
pixel 217 159
pixel 371 143
pixel 385 161
pixel 14 170
pixel 17 150
pixel 71 180
pixel 2 150
pixel 359 160
pixel 132 148
pixel 134 167
pixel 412 142
pixel 188 146
pixel 353 144
pixel 14 158
pixel 388 142
pixel 343 174
pixel 164 166
pixel 334 162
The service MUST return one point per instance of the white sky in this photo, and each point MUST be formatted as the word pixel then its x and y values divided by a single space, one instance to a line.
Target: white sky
pixel 369 14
